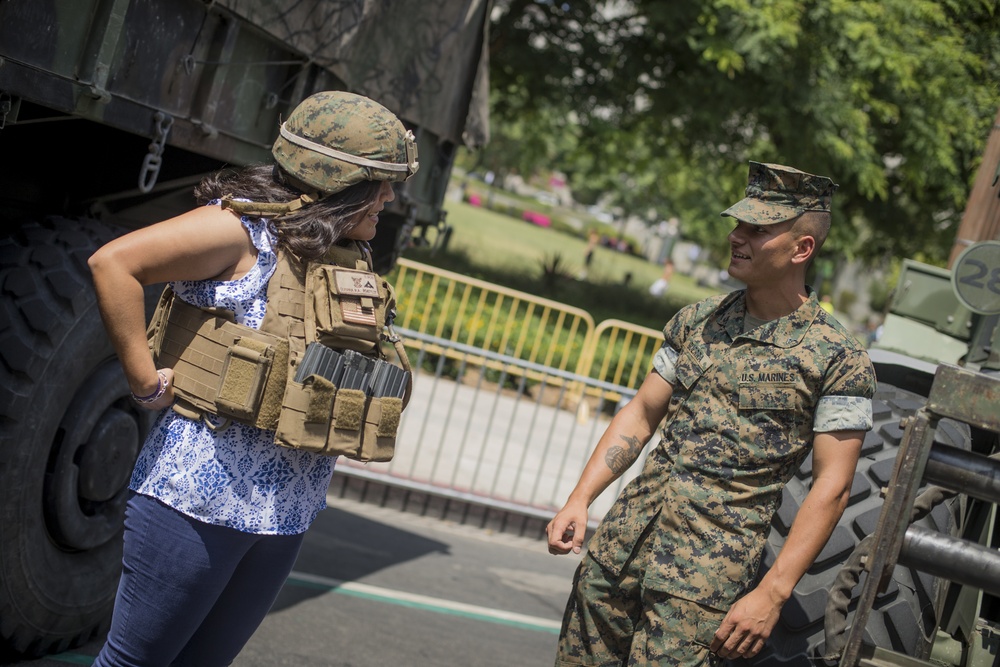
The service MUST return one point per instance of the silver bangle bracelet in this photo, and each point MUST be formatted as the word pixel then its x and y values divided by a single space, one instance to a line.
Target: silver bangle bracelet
pixel 161 387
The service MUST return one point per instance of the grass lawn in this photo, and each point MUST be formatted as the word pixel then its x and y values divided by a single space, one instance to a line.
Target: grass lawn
pixel 514 253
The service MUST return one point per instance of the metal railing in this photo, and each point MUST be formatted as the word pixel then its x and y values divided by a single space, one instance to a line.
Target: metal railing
pixel 511 393
pixel 480 314
pixel 620 353
pixel 494 428
pixel 476 313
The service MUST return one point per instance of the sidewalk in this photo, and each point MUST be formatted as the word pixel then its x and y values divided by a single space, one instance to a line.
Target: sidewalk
pixel 476 455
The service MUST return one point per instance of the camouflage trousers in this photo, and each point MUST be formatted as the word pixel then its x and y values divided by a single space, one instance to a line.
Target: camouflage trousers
pixel 614 621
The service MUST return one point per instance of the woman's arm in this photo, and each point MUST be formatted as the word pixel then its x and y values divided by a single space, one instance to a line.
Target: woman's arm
pixel 206 243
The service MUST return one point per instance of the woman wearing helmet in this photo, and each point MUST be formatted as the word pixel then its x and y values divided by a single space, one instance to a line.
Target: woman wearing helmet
pixel 216 516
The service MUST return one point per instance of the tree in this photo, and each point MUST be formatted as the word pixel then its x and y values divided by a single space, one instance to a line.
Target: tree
pixel 665 102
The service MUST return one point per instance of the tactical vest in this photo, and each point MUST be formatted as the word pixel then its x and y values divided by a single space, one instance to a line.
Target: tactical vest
pixel 235 373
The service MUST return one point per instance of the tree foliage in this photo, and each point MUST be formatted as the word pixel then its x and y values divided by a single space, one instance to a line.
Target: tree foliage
pixel 663 103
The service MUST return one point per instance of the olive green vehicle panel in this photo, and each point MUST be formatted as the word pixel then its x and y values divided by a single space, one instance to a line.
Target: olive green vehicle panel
pixel 413 56
pixel 926 321
pixel 924 294
pixel 222 74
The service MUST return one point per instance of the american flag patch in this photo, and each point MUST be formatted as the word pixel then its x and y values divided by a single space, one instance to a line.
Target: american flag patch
pixel 352 311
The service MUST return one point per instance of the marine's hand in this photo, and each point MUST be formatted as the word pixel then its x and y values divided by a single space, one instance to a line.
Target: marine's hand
pixel 747 626
pixel 567 529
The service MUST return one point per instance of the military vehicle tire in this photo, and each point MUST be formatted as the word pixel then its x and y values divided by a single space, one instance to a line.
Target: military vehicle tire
pixel 392 238
pixel 904 613
pixel 69 436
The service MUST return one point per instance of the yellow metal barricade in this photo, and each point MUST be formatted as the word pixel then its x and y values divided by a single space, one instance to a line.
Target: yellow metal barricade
pixel 480 314
pixel 620 353
pixel 491 317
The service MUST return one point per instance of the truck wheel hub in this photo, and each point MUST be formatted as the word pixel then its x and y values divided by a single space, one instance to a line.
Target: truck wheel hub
pixel 91 462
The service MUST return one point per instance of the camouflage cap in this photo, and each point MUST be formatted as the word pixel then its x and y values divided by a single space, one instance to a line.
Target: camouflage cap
pixel 335 139
pixel 776 193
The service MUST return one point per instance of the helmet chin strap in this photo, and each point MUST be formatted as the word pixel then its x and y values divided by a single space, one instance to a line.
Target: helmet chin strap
pixel 268 209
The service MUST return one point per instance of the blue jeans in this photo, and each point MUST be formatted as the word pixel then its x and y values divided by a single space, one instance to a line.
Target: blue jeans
pixel 190 593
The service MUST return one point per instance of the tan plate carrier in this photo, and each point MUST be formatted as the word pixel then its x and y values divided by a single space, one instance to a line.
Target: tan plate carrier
pixel 235 373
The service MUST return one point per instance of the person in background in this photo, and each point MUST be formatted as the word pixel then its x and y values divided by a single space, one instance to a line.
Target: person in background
pixel 593 238
pixel 750 383
pixel 217 513
pixel 662 284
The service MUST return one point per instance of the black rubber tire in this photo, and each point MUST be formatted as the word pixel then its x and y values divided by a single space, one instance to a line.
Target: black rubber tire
pixel 905 612
pixel 392 238
pixel 69 436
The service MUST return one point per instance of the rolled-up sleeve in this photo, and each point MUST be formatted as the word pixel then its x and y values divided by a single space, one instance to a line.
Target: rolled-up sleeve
pixel 674 335
pixel 843 413
pixel 846 403
pixel 665 363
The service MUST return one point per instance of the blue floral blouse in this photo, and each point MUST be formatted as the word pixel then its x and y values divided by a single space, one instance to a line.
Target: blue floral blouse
pixel 236 477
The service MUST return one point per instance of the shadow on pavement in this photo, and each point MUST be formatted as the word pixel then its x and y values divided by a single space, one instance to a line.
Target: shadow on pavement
pixel 347 547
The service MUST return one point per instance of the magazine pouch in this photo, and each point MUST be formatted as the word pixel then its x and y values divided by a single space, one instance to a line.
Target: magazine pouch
pixel 320 418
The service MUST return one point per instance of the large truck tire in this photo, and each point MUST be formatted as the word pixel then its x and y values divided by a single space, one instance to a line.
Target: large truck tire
pixel 69 436
pixel 391 239
pixel 904 614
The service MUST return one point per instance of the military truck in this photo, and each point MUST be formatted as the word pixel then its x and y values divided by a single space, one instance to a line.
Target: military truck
pixel 110 111
pixel 940 340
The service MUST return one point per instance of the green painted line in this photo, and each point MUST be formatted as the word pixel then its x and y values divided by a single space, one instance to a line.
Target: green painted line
pixel 398 598
pixel 423 602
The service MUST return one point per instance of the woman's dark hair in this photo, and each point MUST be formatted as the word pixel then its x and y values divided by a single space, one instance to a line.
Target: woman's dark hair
pixel 308 232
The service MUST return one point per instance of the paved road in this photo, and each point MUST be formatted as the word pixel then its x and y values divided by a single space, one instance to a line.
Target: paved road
pixel 376 587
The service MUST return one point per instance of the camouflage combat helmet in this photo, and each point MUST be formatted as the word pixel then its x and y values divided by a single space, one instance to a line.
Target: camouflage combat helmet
pixel 331 141
pixel 776 193
pixel 335 139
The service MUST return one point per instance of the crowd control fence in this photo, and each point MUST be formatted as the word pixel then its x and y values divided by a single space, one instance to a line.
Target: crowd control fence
pixel 511 393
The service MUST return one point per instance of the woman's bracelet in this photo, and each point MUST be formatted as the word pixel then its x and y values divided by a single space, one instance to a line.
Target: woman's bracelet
pixel 161 386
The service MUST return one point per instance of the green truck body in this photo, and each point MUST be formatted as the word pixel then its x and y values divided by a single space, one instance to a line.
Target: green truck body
pixel 941 342
pixel 115 106
pixel 110 112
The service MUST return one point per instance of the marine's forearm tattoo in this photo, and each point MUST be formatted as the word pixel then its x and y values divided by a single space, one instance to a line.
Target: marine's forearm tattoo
pixel 619 458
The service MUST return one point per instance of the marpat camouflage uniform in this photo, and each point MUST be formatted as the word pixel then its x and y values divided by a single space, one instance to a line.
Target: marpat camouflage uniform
pixel 688 533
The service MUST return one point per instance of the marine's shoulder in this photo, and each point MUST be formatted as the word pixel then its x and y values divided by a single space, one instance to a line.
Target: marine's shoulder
pixel 690 315
pixel 699 310
pixel 828 328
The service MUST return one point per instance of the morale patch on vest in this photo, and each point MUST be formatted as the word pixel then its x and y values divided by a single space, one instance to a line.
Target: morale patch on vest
pixel 352 311
pixel 357 283
pixel 763 376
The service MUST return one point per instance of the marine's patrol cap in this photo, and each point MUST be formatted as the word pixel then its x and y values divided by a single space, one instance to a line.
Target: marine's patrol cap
pixel 776 193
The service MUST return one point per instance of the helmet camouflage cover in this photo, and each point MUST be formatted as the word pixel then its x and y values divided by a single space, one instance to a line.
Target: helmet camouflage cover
pixel 335 139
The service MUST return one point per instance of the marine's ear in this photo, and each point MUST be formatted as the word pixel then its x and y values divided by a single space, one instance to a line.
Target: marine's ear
pixel 805 248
